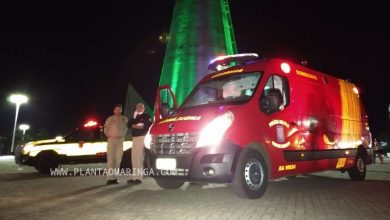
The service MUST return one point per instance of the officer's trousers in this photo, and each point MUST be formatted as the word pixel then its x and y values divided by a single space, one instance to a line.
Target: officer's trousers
pixel 137 157
pixel 114 157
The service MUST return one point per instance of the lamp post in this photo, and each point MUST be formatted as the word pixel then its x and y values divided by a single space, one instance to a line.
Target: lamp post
pixel 17 99
pixel 388 111
pixel 24 127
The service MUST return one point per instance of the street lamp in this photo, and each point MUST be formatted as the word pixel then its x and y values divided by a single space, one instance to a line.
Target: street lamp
pixel 388 111
pixel 24 127
pixel 17 99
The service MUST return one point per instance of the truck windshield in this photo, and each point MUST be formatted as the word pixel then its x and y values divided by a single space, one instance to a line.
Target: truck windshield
pixel 222 90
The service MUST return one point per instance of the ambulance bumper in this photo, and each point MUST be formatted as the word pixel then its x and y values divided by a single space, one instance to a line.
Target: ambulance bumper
pixel 205 164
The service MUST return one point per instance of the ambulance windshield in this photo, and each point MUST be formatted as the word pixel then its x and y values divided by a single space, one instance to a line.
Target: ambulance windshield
pixel 222 90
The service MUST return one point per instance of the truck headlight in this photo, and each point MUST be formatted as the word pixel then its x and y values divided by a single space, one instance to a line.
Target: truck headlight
pixel 213 132
pixel 148 140
pixel 27 148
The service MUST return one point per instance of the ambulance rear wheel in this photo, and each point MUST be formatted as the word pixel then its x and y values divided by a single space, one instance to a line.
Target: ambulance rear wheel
pixel 169 183
pixel 358 171
pixel 46 161
pixel 251 175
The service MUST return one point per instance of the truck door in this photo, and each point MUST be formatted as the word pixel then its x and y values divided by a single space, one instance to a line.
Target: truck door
pixel 280 122
pixel 166 103
pixel 274 103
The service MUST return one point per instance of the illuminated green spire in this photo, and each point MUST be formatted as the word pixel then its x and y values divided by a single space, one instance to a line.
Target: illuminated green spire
pixel 200 31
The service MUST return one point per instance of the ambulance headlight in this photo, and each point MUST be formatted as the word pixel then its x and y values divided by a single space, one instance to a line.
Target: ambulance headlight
pixel 212 133
pixel 148 140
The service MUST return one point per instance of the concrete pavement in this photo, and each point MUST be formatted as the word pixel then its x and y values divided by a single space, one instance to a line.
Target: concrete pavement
pixel 25 194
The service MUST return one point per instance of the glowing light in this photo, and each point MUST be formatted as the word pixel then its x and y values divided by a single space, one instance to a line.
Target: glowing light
pixel 240 55
pixel 231 60
pixel 18 99
pixel 355 90
pixel 306 123
pixel 163 38
pixel 220 67
pixel 166 163
pixel 213 132
pixel 348 144
pixel 285 67
pixel 90 124
pixel 24 127
pixel 72 149
pixel 59 139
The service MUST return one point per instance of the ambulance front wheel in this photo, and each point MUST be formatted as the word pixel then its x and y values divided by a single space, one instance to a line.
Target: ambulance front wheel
pixel 358 171
pixel 169 182
pixel 46 161
pixel 251 175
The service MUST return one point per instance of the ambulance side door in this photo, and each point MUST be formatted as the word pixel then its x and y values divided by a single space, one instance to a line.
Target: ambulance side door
pixel 166 103
pixel 279 122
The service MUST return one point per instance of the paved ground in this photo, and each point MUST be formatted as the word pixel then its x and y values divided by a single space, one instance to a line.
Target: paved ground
pixel 26 194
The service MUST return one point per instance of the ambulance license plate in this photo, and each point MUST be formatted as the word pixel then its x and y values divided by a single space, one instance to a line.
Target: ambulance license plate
pixel 166 163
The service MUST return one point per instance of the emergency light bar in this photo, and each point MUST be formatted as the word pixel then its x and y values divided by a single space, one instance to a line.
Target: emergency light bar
pixel 223 62
pixel 90 124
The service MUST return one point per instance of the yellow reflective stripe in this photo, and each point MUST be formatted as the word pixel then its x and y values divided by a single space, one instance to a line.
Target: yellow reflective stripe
pixel 228 73
pixel 307 75
pixel 351 115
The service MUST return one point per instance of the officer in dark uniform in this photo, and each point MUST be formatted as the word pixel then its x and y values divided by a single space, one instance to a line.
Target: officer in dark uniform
pixel 139 126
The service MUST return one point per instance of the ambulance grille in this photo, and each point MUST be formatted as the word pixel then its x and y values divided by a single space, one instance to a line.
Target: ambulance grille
pixel 174 144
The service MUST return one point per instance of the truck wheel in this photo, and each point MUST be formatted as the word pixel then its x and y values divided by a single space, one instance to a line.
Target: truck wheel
pixel 169 183
pixel 358 171
pixel 251 175
pixel 46 162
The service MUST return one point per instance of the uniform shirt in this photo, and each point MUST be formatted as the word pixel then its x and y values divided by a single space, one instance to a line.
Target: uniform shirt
pixel 141 118
pixel 116 126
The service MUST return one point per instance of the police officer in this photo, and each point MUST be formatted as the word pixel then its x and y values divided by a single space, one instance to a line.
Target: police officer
pixel 115 130
pixel 139 125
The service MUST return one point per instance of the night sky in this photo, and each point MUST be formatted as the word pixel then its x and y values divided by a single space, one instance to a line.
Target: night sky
pixel 75 60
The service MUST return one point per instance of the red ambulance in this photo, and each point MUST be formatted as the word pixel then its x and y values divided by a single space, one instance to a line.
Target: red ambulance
pixel 258 120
